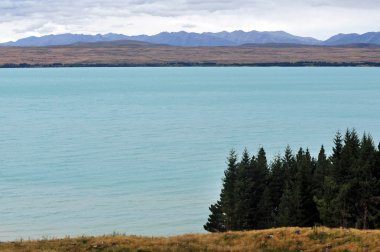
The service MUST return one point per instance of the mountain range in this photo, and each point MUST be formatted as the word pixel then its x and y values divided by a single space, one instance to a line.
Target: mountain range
pixel 187 39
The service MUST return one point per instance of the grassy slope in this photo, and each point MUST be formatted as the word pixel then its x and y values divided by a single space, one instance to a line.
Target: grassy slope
pixel 282 239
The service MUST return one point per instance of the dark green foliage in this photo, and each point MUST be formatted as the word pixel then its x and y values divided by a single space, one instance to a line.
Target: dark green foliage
pixel 322 170
pixel 303 187
pixel 260 174
pixel 299 190
pixel 288 210
pixel 289 164
pixel 227 196
pixel 265 211
pixel 243 189
pixel 351 190
pixel 252 180
pixel 262 203
pixel 224 210
pixel 277 179
pixel 215 221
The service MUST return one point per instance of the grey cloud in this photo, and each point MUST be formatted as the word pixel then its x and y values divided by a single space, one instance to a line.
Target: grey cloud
pixel 32 27
pixel 80 8
pixel 82 13
pixel 360 4
pixel 188 26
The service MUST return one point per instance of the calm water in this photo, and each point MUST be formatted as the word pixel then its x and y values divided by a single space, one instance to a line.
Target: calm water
pixel 142 150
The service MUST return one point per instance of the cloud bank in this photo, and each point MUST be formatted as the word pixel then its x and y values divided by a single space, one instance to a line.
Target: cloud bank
pixel 317 18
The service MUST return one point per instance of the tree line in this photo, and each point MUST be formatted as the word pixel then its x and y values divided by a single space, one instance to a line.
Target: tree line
pixel 342 190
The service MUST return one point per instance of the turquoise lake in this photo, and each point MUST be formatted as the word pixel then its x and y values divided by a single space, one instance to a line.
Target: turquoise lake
pixel 143 150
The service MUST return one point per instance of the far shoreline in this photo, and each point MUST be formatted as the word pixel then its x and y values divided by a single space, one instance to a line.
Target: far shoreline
pixel 188 64
pixel 99 55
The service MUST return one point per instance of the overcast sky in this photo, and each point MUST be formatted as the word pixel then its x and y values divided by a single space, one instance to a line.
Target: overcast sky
pixel 316 18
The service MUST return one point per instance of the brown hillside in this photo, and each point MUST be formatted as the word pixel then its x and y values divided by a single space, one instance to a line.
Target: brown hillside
pixel 282 239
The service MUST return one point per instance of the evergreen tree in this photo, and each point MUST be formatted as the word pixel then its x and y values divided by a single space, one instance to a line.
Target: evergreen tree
pixel 327 202
pixel 337 149
pixel 364 184
pixel 260 182
pixel 222 215
pixel 347 180
pixel 375 207
pixel 243 189
pixel 336 156
pixel 340 190
pixel 339 205
pixel 320 177
pixel 333 205
pixel 289 208
pixel 308 213
pixel 216 219
pixel 252 177
pixel 289 164
pixel 290 198
pixel 321 171
pixel 276 184
pixel 265 211
pixel 227 196
pixel 349 156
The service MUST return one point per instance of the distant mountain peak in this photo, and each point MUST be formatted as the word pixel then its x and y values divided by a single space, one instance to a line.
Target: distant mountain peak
pixel 354 38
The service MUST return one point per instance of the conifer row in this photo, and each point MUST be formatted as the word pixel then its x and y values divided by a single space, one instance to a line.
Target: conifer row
pixel 342 190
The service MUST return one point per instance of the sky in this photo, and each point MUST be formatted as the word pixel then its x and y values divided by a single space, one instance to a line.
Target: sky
pixel 315 18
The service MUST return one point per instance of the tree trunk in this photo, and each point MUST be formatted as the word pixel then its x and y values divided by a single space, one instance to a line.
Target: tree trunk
pixel 365 216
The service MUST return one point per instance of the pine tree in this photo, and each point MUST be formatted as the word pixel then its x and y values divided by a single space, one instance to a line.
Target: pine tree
pixel 252 177
pixel 308 213
pixel 277 180
pixel 375 207
pixel 290 199
pixel 222 215
pixel 327 203
pixel 365 184
pixel 321 171
pixel 336 157
pixel 337 206
pixel 347 180
pixel 260 181
pixel 289 163
pixel 337 150
pixel 349 156
pixel 289 208
pixel 227 196
pixel 265 211
pixel 216 219
pixel 332 205
pixel 243 188
pixel 340 190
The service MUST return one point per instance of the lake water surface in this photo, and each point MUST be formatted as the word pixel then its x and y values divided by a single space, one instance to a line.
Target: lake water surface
pixel 143 150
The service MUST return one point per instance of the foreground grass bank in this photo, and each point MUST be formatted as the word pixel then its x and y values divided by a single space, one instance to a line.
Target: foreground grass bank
pixel 281 239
